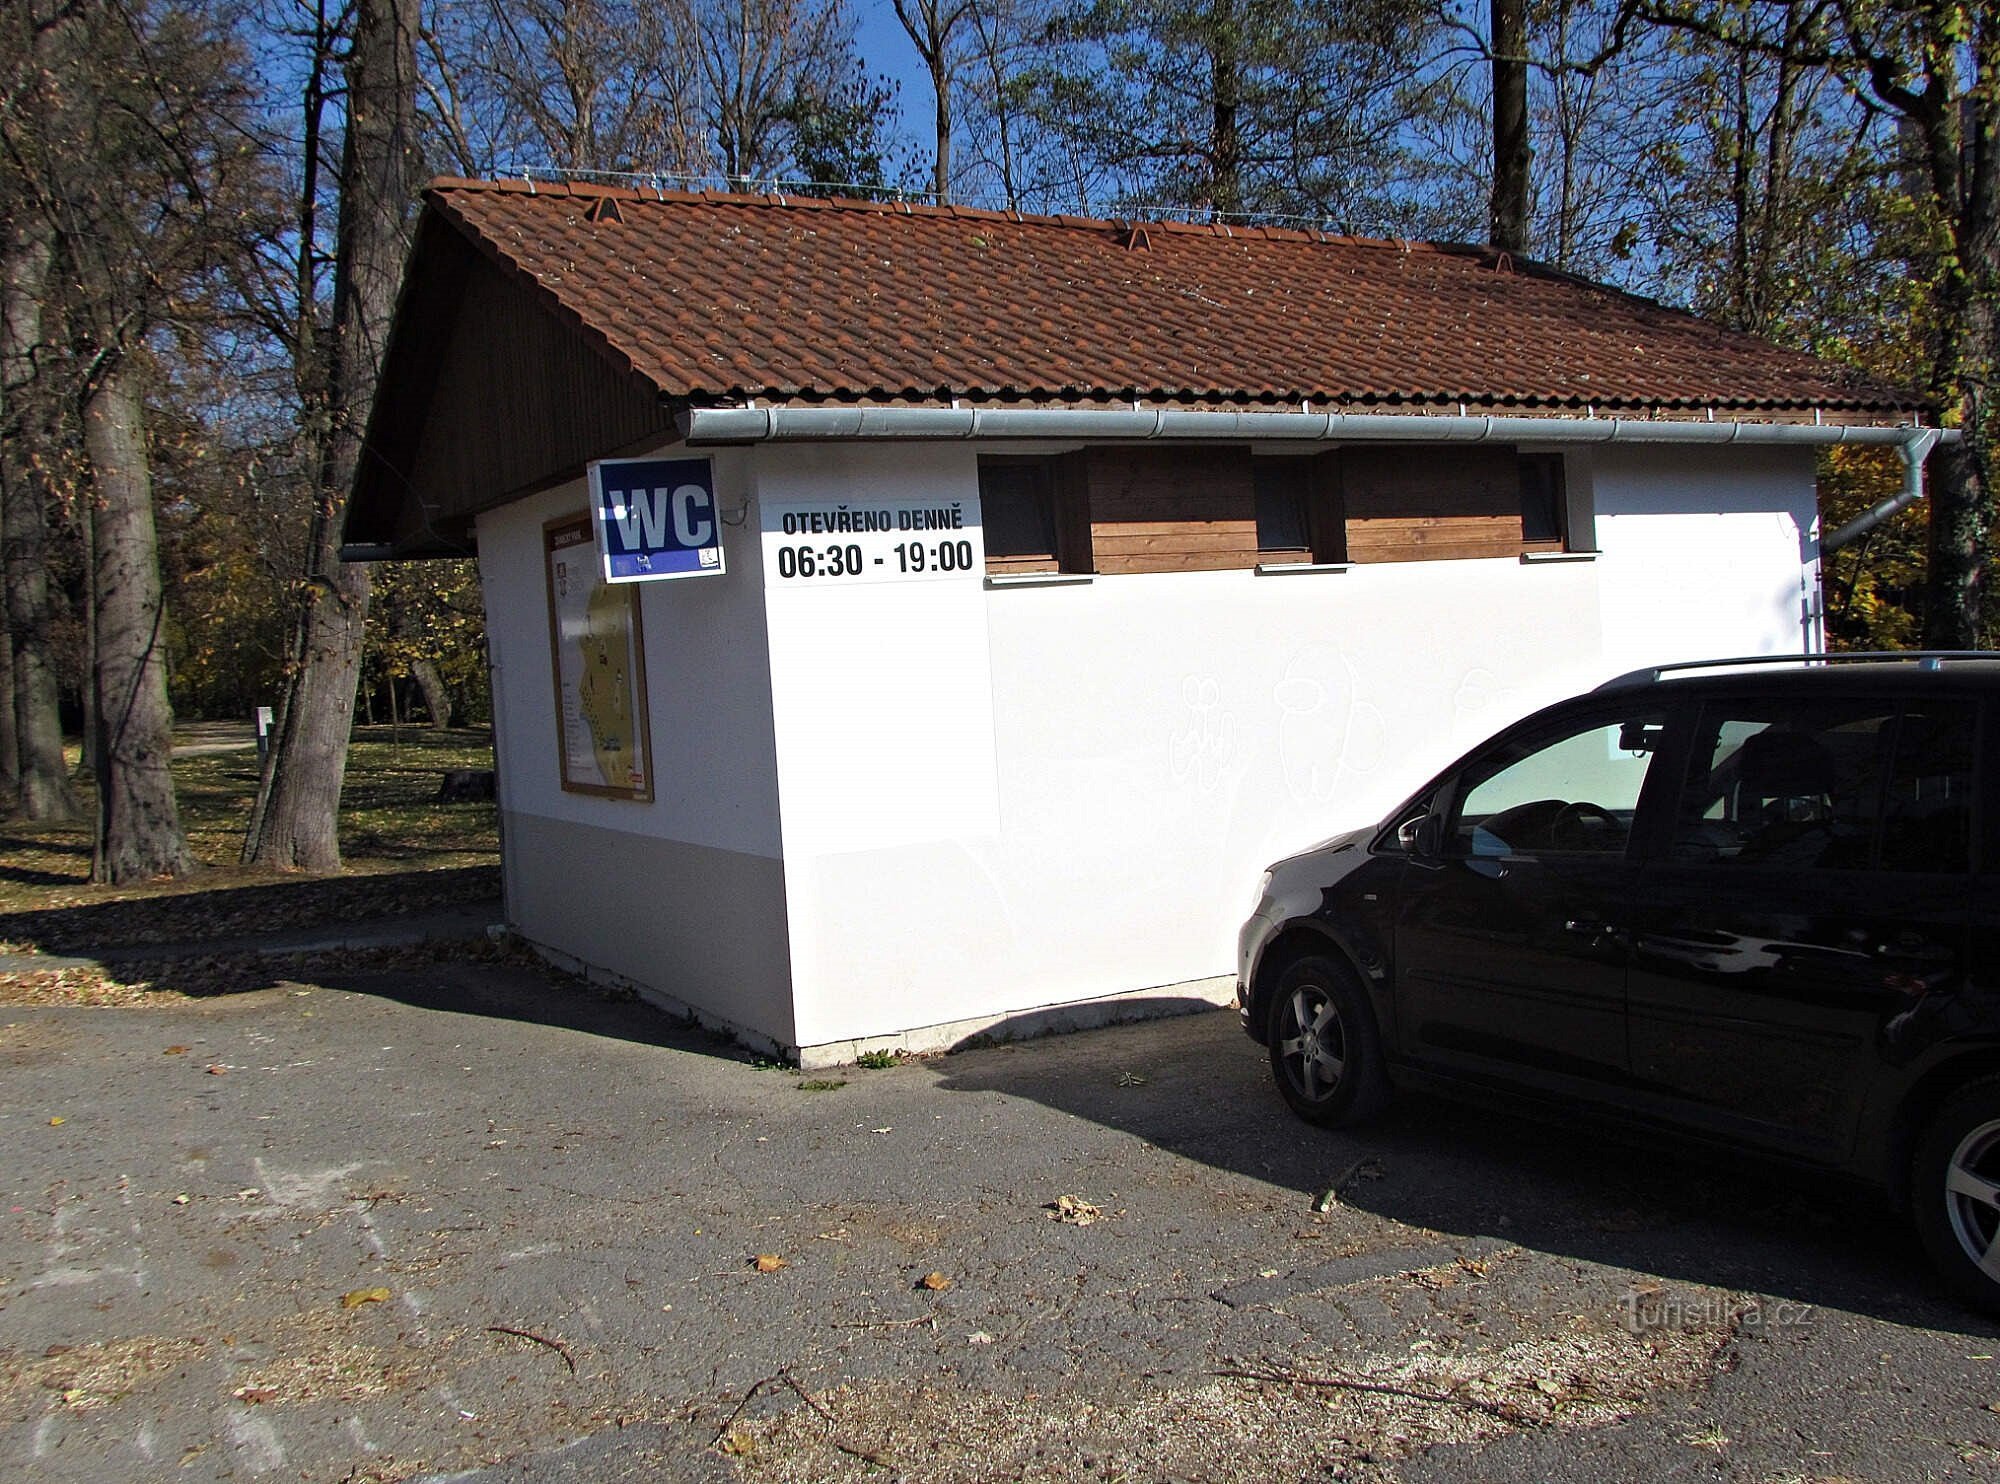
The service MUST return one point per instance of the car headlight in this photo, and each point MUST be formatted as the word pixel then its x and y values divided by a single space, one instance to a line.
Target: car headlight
pixel 1263 886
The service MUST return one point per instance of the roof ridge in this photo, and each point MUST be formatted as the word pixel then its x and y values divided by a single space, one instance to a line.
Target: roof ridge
pixel 576 189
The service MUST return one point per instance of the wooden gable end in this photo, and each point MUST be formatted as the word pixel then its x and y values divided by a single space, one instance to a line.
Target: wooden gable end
pixel 488 392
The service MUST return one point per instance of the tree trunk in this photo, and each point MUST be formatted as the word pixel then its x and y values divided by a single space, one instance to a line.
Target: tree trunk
pixel 294 823
pixel 437 695
pixel 941 120
pixel 1225 139
pixel 10 745
pixel 1512 152
pixel 1961 493
pixel 138 826
pixel 1962 144
pixel 1955 592
pixel 44 786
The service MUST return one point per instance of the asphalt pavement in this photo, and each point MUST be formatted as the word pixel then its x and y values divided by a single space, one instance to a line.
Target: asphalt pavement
pixel 471 1221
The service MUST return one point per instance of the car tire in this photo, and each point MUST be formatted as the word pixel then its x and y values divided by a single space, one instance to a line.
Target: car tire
pixel 1326 1052
pixel 1955 1194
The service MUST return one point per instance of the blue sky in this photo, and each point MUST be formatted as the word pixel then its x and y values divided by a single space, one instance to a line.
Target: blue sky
pixel 886 48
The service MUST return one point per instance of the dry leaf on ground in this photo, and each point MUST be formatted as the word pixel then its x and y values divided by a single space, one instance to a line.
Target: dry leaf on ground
pixel 1073 1209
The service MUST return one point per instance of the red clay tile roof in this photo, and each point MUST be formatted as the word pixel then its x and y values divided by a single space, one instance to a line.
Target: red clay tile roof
pixel 716 298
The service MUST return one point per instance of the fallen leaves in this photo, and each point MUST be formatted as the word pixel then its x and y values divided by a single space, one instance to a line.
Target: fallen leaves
pixel 1073 1210
pixel 768 1262
pixel 935 1282
pixel 355 1298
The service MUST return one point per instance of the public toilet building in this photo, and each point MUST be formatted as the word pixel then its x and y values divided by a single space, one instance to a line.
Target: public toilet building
pixel 1009 591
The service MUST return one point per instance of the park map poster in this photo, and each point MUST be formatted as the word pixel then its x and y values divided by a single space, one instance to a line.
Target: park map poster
pixel 600 669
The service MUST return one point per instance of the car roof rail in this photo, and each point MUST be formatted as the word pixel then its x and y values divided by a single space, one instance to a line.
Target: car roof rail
pixel 1922 659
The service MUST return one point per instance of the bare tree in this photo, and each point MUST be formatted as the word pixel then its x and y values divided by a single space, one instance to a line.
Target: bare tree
pixel 137 166
pixel 755 60
pixel 1232 106
pixel 930 25
pixel 581 84
pixel 1015 145
pixel 294 822
pixel 43 790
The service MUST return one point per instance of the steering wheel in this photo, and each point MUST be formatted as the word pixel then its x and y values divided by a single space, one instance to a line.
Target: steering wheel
pixel 1583 825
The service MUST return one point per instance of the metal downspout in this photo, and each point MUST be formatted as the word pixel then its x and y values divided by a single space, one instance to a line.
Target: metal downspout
pixel 1913 451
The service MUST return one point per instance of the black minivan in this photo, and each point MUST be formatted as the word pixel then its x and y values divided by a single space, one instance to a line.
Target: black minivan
pixel 1753 901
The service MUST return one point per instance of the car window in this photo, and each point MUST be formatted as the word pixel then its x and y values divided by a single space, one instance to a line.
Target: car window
pixel 1927 815
pixel 1571 793
pixel 1829 785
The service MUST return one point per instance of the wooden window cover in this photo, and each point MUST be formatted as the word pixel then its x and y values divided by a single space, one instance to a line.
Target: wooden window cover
pixel 1171 509
pixel 1434 504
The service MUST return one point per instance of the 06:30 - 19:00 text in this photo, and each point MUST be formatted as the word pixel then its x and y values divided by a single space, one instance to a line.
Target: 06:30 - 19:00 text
pixel 849 560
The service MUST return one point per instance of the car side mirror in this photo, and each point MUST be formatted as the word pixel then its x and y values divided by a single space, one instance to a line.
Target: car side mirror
pixel 1423 839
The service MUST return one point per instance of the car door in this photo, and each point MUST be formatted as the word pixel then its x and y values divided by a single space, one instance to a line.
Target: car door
pixel 1814 887
pixel 1509 960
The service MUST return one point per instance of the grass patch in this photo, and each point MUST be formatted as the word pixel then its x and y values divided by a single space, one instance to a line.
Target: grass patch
pixel 876 1061
pixel 390 824
pixel 823 1084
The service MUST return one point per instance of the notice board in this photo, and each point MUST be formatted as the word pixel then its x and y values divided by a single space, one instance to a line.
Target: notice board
pixel 598 653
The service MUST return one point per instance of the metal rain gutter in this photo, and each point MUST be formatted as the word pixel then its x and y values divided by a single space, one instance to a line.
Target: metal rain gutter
pixel 721 425
pixel 724 425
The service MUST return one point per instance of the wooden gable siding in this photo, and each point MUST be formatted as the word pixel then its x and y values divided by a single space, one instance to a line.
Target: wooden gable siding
pixel 499 395
pixel 1171 510
pixel 1432 504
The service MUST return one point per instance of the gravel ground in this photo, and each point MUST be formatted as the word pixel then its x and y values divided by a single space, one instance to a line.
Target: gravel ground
pixel 470 1220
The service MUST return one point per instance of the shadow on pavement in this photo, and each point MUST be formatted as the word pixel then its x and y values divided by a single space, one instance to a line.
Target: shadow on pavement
pixel 1569 1189
pixel 531 996
pixel 213 916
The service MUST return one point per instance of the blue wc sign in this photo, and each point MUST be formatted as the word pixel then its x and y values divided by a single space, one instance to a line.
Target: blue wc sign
pixel 656 518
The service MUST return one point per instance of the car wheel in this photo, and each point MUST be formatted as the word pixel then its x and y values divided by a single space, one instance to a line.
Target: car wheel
pixel 1326 1053
pixel 1955 1193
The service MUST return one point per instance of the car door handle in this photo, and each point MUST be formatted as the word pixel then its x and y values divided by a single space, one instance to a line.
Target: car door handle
pixel 1588 927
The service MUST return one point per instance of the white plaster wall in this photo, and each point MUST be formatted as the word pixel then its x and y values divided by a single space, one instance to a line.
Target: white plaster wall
pixel 1154 740
pixel 706 677
pixel 659 918
pixel 1708 552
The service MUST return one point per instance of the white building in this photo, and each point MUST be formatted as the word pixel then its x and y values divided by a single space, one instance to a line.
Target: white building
pixel 1069 571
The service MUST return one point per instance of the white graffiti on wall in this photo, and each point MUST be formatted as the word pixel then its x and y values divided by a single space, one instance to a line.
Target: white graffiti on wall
pixel 1325 730
pixel 1206 746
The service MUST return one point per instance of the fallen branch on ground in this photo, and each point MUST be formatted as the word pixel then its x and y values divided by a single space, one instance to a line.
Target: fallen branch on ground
pixel 527 1334
pixel 852 1452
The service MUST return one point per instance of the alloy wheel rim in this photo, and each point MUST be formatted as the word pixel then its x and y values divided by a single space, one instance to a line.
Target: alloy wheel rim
pixel 1972 1197
pixel 1314 1045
